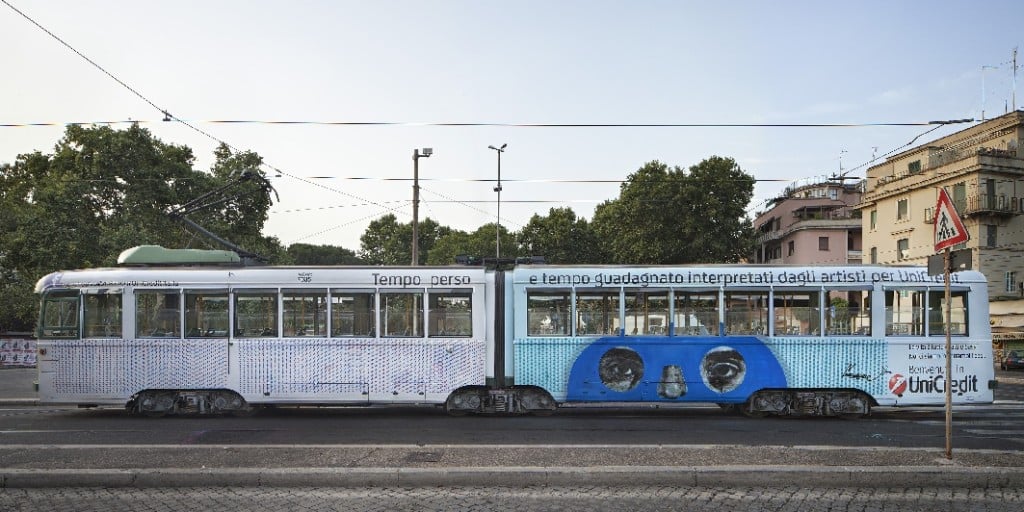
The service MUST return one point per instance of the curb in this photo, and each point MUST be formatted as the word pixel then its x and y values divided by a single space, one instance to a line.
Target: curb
pixel 739 476
pixel 19 401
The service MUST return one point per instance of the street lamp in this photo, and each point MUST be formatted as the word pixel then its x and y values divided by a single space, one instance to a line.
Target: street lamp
pixel 416 201
pixel 497 229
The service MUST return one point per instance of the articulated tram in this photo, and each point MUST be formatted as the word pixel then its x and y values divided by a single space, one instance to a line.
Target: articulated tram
pixel 187 331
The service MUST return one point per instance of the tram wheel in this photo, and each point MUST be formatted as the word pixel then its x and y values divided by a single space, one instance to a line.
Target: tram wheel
pixel 746 409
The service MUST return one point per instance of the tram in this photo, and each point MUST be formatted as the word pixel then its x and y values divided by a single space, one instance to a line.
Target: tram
pixel 195 332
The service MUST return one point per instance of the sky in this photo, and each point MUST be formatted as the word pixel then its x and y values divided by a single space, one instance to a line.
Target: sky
pixel 501 67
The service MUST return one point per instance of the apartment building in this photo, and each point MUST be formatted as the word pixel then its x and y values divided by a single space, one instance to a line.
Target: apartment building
pixel 981 169
pixel 811 222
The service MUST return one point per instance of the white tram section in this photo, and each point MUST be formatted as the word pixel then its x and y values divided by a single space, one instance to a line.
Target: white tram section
pixel 721 333
pixel 273 335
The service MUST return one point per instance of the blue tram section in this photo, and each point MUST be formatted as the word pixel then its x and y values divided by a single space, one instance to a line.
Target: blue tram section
pixel 652 369
pixel 716 369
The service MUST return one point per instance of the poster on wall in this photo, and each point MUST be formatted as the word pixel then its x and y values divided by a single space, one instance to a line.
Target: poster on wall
pixel 17 352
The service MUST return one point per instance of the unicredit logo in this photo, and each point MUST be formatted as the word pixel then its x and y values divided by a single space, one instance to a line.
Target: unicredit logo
pixel 898 384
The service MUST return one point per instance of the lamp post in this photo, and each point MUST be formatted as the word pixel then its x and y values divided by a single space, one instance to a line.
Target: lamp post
pixel 416 155
pixel 497 228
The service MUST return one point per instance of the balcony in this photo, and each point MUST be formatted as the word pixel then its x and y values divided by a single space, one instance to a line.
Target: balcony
pixel 765 237
pixel 982 204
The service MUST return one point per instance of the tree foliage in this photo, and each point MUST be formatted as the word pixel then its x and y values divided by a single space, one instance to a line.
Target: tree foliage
pixel 103 191
pixel 306 254
pixel 561 237
pixel 389 242
pixel 674 216
pixel 481 243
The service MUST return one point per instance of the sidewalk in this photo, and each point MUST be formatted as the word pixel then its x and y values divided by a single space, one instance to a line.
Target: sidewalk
pixel 18 386
pixel 445 465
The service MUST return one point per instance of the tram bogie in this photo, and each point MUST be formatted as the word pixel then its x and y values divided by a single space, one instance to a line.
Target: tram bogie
pixel 515 400
pixel 175 402
pixel 845 403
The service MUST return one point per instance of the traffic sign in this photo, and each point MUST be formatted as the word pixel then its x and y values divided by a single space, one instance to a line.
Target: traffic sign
pixel 949 229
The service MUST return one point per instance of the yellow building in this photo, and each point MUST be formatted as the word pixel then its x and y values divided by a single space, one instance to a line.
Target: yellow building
pixel 981 169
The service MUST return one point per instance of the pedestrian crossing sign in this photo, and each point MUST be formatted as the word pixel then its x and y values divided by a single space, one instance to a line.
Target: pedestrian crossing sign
pixel 949 229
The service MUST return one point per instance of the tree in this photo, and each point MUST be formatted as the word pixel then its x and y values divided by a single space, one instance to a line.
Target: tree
pixel 561 237
pixel 480 243
pixel 675 216
pixel 388 242
pixel 306 254
pixel 103 191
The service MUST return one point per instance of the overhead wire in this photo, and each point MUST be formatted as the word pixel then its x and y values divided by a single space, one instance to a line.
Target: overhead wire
pixel 494 124
pixel 191 125
pixel 170 117
pixel 869 162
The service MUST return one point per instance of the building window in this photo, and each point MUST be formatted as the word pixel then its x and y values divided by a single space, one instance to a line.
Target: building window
pixel 822 243
pixel 902 249
pixel 990 235
pixel 960 196
pixel 1010 282
pixel 903 209
pixel 914 167
pixel 874 219
pixel 791 248
pixel 874 255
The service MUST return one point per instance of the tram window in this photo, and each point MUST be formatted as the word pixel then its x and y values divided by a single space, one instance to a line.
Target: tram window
pixel 402 314
pixel 451 314
pixel 547 313
pixel 904 312
pixel 59 317
pixel 746 312
pixel 797 313
pixel 848 313
pixel 305 312
pixel 352 314
pixel 102 313
pixel 597 312
pixel 696 313
pixel 646 312
pixel 206 314
pixel 157 314
pixel 256 313
pixel 957 313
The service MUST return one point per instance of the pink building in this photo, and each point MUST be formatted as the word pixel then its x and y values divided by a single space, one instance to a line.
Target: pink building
pixel 811 224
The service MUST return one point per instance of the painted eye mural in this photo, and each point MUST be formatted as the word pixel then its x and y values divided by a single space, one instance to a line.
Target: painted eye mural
pixel 621 369
pixel 723 369
pixel 663 368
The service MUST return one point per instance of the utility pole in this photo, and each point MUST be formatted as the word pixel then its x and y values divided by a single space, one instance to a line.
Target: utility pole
pixel 416 155
pixel 497 227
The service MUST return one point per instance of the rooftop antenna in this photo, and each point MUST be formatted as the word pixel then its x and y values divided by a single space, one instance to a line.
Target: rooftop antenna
pixel 983 68
pixel 1014 78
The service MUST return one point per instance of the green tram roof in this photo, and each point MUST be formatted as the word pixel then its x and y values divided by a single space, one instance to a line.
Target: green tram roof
pixel 156 255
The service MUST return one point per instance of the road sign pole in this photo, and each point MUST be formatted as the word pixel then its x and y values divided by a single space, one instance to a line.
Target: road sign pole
pixel 949 364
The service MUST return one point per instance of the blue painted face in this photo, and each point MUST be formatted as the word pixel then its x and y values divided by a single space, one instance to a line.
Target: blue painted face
pixel 699 369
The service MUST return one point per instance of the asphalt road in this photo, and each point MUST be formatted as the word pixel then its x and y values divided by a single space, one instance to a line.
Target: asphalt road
pixel 689 458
